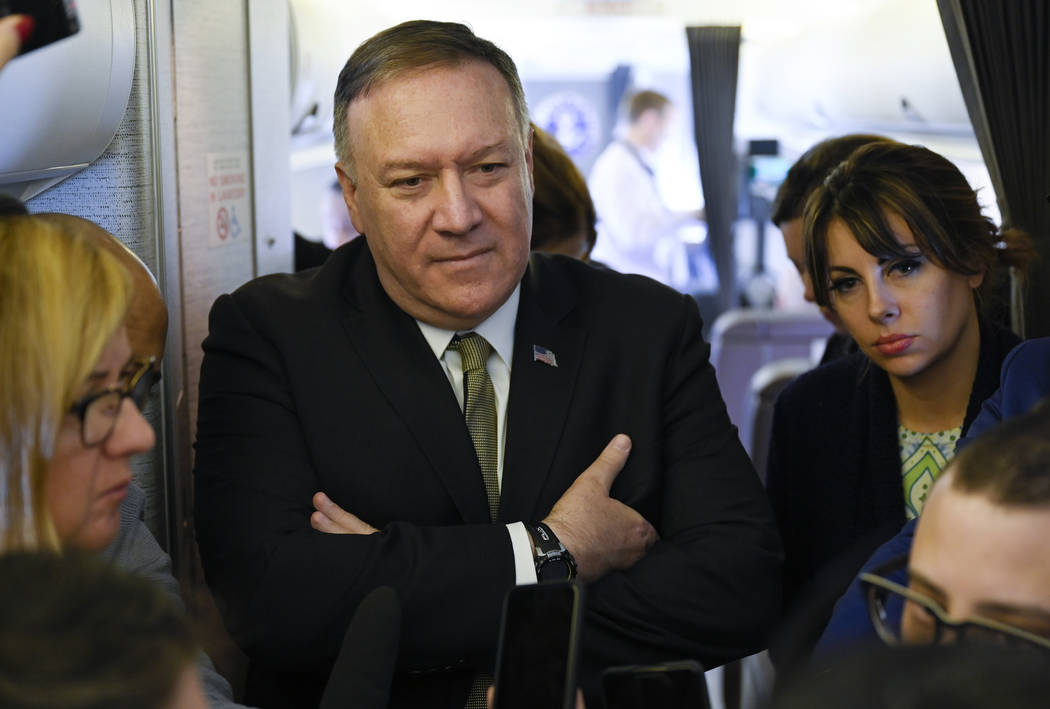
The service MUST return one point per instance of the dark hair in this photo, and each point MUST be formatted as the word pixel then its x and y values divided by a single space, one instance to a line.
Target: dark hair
pixel 809 172
pixel 1009 465
pixel 645 101
pixel 77 633
pixel 932 197
pixel 561 205
pixel 922 677
pixel 414 45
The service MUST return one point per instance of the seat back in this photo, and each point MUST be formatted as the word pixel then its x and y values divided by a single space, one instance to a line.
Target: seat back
pixel 766 385
pixel 742 341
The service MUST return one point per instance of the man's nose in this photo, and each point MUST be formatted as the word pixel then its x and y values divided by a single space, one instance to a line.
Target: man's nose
pixel 132 433
pixel 457 212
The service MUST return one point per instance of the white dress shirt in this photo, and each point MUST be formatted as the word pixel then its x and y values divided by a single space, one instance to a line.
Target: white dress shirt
pixel 637 233
pixel 498 330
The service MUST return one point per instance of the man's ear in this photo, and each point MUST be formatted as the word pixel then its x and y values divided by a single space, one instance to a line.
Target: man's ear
pixel 350 196
pixel 975 280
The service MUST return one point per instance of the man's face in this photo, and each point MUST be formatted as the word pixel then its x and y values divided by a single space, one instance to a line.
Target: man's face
pixel 442 190
pixel 976 558
pixel 656 123
pixel 791 229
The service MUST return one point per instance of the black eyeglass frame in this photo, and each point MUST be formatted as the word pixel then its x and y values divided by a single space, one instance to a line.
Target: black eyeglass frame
pixel 875 581
pixel 137 388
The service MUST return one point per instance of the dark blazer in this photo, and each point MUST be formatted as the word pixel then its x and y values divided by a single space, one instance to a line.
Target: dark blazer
pixel 834 474
pixel 318 381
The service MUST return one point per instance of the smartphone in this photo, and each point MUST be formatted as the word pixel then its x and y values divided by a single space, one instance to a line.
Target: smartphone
pixel 55 20
pixel 538 647
pixel 674 685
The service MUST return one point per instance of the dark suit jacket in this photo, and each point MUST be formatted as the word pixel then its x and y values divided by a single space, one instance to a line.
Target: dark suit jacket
pixel 318 381
pixel 834 477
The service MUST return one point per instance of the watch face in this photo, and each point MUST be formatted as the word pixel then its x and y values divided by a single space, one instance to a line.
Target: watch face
pixel 555 570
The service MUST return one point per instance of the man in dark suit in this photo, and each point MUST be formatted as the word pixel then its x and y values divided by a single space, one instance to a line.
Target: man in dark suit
pixel 357 380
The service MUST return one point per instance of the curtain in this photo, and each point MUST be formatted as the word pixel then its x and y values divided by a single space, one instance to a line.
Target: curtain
pixel 1001 52
pixel 714 54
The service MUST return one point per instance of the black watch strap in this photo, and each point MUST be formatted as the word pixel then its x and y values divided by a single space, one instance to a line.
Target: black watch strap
pixel 553 560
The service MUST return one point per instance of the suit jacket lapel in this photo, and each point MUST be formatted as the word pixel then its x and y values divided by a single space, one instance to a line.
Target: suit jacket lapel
pixel 540 394
pixel 404 368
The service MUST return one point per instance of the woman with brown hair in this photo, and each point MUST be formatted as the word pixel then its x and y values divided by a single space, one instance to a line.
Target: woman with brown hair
pixel 899 249
pixel 562 211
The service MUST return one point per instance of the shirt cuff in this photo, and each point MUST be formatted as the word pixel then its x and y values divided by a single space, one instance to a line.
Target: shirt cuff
pixel 524 564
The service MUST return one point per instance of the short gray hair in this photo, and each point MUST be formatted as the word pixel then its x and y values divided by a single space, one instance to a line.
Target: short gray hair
pixel 414 45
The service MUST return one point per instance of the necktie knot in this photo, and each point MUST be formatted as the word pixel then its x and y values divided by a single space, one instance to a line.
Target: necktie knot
pixel 473 349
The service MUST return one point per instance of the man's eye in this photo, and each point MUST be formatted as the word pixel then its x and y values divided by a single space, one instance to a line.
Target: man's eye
pixel 490 167
pixel 408 182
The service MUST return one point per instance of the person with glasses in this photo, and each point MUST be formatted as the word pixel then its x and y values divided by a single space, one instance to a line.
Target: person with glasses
pixel 976 571
pixel 84 329
pixel 69 425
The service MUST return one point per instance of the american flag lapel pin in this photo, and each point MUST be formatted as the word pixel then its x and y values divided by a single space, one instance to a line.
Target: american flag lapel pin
pixel 542 354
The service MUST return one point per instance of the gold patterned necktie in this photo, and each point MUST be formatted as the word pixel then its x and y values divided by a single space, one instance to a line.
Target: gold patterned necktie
pixel 479 409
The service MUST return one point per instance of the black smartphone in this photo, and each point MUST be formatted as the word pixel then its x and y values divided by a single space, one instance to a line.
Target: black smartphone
pixel 538 647
pixel 674 685
pixel 55 20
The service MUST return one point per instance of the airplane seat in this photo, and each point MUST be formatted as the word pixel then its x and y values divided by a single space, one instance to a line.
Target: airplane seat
pixel 766 385
pixel 743 340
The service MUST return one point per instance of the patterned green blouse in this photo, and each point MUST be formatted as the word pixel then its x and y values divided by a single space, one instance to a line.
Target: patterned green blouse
pixel 923 457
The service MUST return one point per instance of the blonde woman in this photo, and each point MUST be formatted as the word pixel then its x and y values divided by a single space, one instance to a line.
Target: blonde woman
pixel 71 392
pixel 67 431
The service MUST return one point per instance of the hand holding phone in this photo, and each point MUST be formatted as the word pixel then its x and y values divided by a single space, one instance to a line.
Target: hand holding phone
pixel 538 648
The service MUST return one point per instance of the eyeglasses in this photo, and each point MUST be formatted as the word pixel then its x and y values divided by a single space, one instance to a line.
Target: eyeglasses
pixel 887 602
pixel 98 412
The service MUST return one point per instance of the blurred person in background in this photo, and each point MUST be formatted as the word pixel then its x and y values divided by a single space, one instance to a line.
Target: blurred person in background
pixel 563 219
pixel 336 230
pixel 637 232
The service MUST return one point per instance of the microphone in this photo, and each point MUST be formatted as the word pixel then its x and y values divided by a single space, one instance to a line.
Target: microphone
pixel 361 675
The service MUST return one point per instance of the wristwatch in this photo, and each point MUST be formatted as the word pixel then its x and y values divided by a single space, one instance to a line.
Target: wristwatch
pixel 553 560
